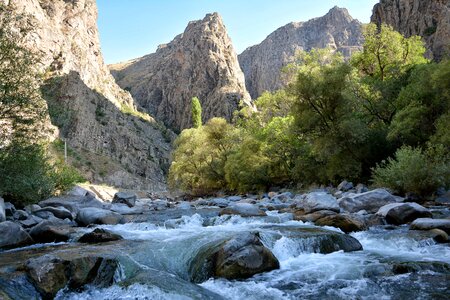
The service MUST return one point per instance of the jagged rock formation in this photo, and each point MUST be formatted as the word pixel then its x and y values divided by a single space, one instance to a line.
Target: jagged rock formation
pixel 427 18
pixel 86 103
pixel 201 63
pixel 262 63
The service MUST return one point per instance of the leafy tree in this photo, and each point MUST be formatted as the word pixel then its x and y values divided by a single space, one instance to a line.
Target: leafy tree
pixel 22 109
pixel 27 174
pixel 196 113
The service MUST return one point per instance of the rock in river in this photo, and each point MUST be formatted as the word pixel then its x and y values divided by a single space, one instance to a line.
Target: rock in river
pixel 402 213
pixel 369 201
pixel 91 215
pixel 99 235
pixel 13 236
pixel 318 201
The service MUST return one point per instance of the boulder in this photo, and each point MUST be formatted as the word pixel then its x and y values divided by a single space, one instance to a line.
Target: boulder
pixel 242 257
pixel 234 198
pixel 184 205
pixel 443 197
pixel 80 192
pixel 318 201
pixel 346 223
pixel 243 210
pixel 418 266
pixel 220 202
pixel 428 224
pixel 32 208
pixel 72 203
pixel 402 213
pixel 125 198
pixel 49 273
pixel 20 215
pixel 124 209
pixel 312 217
pixel 2 210
pixel 361 188
pixel 369 201
pixel 439 236
pixel 44 214
pixel 51 231
pixel 92 215
pixel 345 186
pixel 30 222
pixel 13 236
pixel 59 212
pixel 9 209
pixel 99 235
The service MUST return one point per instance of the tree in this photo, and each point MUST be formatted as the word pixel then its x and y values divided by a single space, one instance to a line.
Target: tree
pixel 22 109
pixel 196 113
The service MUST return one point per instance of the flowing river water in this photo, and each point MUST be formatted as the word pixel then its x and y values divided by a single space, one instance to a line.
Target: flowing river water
pixel 166 253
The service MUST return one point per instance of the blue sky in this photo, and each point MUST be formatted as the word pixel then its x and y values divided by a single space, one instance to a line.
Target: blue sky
pixel 133 28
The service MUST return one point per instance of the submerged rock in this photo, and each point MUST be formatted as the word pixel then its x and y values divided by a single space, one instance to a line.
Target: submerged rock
pixel 402 213
pixel 239 257
pixel 49 273
pixel 99 236
pixel 243 210
pixel 369 201
pixel 346 223
pixel 92 215
pixel 50 231
pixel 13 236
pixel 417 266
pixel 243 257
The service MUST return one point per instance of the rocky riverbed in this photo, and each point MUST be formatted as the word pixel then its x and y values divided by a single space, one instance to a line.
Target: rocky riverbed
pixel 344 243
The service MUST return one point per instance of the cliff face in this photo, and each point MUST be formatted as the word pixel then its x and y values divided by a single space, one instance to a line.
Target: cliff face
pixel 262 63
pixel 427 18
pixel 86 103
pixel 201 63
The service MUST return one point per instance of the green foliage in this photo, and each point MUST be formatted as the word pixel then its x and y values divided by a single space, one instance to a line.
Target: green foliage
pixel 335 120
pixel 25 174
pixel 413 170
pixel 196 108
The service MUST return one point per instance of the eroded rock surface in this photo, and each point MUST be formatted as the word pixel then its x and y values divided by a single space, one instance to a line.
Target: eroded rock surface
pixel 200 62
pixel 427 18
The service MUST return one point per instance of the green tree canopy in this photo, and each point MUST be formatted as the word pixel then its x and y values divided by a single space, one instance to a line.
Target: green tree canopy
pixel 196 108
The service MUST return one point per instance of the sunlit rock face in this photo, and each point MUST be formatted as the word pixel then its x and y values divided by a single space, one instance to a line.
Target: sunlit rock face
pixel 85 102
pixel 201 62
pixel 262 63
pixel 429 19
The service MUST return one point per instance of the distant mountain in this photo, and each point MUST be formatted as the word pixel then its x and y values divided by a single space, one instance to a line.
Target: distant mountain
pixel 427 18
pixel 200 62
pixel 262 63
pixel 110 144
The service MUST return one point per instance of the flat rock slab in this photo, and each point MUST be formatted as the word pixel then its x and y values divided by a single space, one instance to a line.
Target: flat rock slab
pixel 243 210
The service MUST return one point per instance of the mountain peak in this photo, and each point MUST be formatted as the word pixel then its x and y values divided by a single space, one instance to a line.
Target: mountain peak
pixel 337 13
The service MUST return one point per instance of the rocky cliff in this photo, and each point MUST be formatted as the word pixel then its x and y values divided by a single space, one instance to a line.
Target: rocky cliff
pixel 201 63
pixel 427 18
pixel 262 63
pixel 95 116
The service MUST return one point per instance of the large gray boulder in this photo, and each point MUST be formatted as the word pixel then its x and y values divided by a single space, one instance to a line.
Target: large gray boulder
pixel 99 235
pixel 50 231
pixel 428 224
pixel 125 198
pixel 402 213
pixel 13 236
pixel 316 201
pixel 72 203
pixel 243 257
pixel 243 210
pixel 59 212
pixel 369 201
pixel 2 210
pixel 49 273
pixel 92 215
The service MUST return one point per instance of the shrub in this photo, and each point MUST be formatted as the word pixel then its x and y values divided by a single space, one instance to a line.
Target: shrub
pixel 413 170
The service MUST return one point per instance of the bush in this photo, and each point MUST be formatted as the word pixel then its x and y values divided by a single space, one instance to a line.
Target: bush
pixel 413 170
